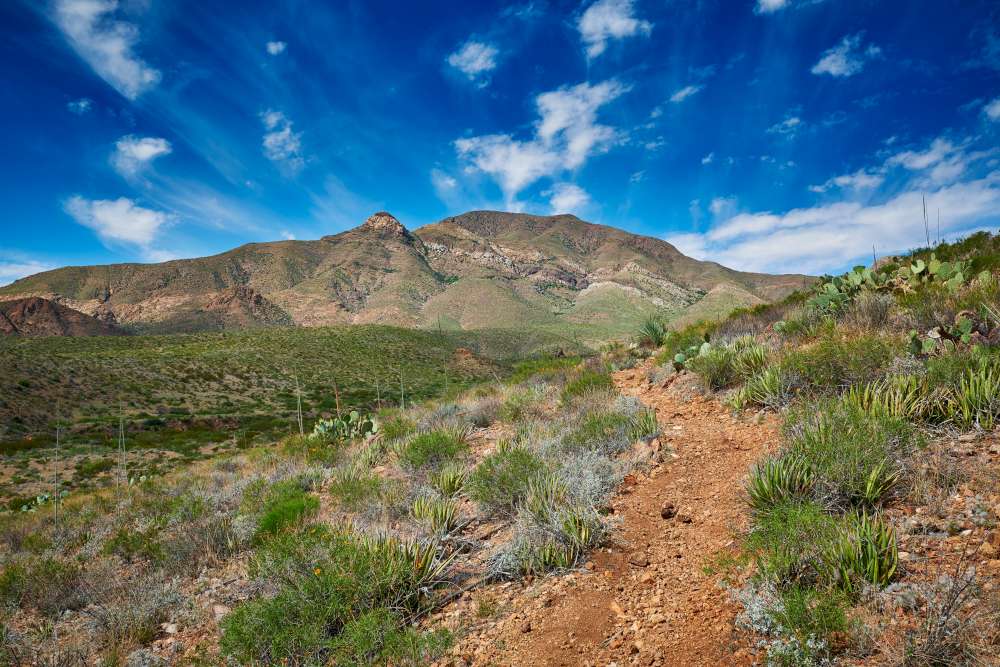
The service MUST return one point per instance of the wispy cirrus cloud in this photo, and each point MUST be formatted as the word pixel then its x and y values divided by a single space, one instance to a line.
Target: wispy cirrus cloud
pixel 566 135
pixel 132 154
pixel 606 20
pixel 80 106
pixel 685 92
pixel 13 268
pixel 847 58
pixel 992 110
pixel 106 43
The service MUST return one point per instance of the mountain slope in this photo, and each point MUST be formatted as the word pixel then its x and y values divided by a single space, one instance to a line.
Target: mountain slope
pixel 482 269
pixel 33 316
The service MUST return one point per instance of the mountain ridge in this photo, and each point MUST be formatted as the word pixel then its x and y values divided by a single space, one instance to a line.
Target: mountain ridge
pixel 556 272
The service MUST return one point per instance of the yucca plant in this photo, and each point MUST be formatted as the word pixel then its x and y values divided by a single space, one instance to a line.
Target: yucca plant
pixel 440 515
pixel 880 480
pixel 410 570
pixel 449 480
pixel 546 494
pixel 644 425
pixel 548 557
pixel 768 388
pixel 652 332
pixel 777 480
pixel 750 356
pixel 976 401
pixel 864 552
pixel 581 530
pixel 900 396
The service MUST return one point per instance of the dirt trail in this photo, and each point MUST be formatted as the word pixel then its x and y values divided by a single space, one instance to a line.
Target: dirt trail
pixel 647 599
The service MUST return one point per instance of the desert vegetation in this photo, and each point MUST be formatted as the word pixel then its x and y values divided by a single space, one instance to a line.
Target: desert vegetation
pixel 880 376
pixel 330 546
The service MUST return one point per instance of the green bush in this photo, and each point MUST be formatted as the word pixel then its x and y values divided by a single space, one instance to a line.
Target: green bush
pixel 286 506
pixel 396 428
pixel 501 480
pixel 588 381
pixel 607 431
pixel 432 449
pixel 315 618
pixel 853 455
pixel 788 541
pixel 716 367
pixel 543 368
pixel 834 363
pixel 135 545
pixel 769 388
pixel 806 614
pixel 354 487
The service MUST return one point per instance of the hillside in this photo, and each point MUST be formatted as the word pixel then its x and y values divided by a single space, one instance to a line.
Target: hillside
pixel 34 316
pixel 550 272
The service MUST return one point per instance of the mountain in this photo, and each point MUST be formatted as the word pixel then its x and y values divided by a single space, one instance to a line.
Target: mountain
pixel 33 316
pixel 483 269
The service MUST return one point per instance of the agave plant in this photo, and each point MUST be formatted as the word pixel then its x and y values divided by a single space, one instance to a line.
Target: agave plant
pixel 653 332
pixel 864 552
pixel 976 401
pixel 449 480
pixel 900 396
pixel 778 480
pixel 440 515
pixel 770 388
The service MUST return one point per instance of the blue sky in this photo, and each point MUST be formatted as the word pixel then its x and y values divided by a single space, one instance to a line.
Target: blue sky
pixel 772 135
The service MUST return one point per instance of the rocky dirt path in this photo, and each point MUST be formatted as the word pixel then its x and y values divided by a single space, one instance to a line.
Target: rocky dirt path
pixel 648 600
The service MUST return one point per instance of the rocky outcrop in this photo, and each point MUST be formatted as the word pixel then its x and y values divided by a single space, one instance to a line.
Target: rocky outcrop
pixel 34 316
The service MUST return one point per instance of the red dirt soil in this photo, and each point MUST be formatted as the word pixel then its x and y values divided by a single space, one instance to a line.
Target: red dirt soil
pixel 647 599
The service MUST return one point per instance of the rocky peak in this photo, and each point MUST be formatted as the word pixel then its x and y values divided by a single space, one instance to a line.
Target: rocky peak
pixel 385 223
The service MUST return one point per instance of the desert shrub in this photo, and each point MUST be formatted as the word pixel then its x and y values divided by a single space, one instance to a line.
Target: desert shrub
pixel 449 480
pixel 396 428
pixel 353 487
pixel 808 614
pixel 50 585
pixel 855 456
pixel 501 480
pixel 519 404
pixel 605 430
pixel 863 552
pixel 309 620
pixel 440 515
pixel 433 448
pixel 286 506
pixel 715 367
pixel 483 412
pixel 788 541
pixel 380 637
pixel 778 481
pixel 543 368
pixel 133 614
pixel 869 311
pixel 833 363
pixel 135 544
pixel 588 381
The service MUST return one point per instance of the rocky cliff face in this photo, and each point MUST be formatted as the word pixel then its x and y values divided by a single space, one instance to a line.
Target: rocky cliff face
pixel 40 317
pixel 477 270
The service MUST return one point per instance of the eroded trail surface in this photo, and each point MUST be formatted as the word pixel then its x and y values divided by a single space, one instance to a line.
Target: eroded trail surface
pixel 647 599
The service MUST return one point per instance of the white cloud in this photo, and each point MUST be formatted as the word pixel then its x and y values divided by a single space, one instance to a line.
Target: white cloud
pixel 722 207
pixel 637 177
pixel 770 6
pixel 859 180
pixel 708 159
pixel 276 48
pixel 847 58
pixel 287 235
pixel 567 134
pixel 281 144
pixel 118 220
pixel 106 44
pixel 13 269
pixel 609 19
pixel 474 59
pixel 567 198
pixel 684 93
pixel 829 237
pixel 787 127
pixel 133 154
pixel 992 110
pixel 80 106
